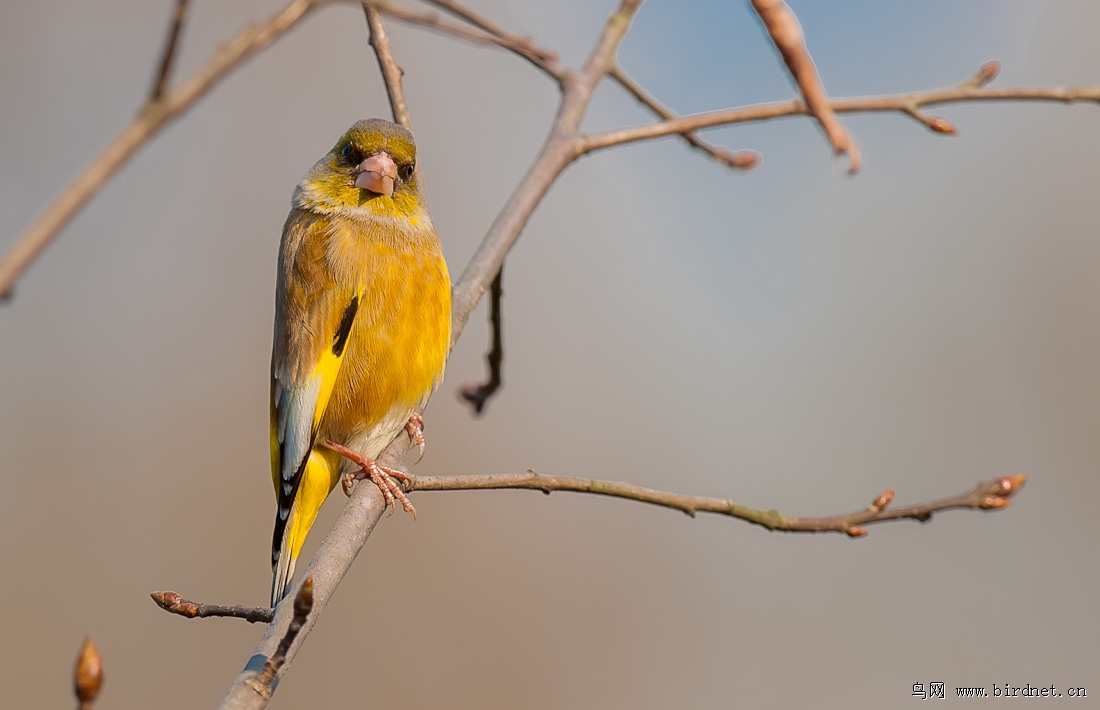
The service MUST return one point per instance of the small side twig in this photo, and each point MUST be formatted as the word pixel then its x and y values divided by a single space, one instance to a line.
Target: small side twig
pixel 303 604
pixel 478 393
pixel 87 675
pixel 786 34
pixel 175 604
pixel 168 57
pixel 738 160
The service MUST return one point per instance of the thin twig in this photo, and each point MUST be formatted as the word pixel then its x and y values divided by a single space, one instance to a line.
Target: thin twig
pixel 87 675
pixel 738 160
pixel 786 34
pixel 544 59
pixel 168 57
pixel 175 604
pixel 431 21
pixel 479 393
pixel 988 495
pixel 905 104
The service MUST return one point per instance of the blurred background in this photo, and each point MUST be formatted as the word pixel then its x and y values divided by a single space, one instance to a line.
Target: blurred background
pixel 789 338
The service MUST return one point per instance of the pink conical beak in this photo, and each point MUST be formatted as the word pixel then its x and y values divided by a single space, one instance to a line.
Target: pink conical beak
pixel 377 174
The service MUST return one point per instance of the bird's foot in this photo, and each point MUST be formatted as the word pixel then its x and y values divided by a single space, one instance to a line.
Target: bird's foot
pixel 415 429
pixel 382 476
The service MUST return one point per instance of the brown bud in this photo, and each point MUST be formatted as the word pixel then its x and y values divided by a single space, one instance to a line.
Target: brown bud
pixel 742 159
pixel 856 531
pixel 986 73
pixel 166 600
pixel 883 500
pixel 1010 485
pixel 994 502
pixel 942 125
pixel 88 676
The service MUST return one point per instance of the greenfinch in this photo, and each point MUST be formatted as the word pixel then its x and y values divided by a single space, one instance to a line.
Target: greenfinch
pixel 362 328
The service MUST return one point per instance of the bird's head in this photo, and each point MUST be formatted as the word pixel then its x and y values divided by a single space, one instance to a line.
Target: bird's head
pixel 371 171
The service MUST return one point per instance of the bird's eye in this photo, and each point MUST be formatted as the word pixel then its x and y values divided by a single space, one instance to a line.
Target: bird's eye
pixel 405 172
pixel 346 151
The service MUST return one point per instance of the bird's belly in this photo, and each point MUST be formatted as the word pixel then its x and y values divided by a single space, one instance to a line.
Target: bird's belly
pixel 395 355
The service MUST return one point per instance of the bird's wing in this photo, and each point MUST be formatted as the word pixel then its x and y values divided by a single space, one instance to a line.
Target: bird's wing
pixel 313 319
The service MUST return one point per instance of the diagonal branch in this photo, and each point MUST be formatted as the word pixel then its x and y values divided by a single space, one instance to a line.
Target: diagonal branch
pixel 544 59
pixel 363 510
pixel 523 46
pixel 786 34
pixel 148 123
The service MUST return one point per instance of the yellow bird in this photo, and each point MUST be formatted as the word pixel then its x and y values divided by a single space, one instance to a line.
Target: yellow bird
pixel 362 328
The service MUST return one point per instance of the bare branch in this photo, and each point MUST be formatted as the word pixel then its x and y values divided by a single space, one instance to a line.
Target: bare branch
pixel 907 104
pixel 739 160
pixel 479 393
pixel 87 675
pixel 168 57
pixel 786 34
pixel 175 604
pixel 988 495
pixel 149 122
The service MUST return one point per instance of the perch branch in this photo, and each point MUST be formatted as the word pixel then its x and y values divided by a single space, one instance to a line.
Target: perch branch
pixel 988 495
pixel 477 394
pixel 786 34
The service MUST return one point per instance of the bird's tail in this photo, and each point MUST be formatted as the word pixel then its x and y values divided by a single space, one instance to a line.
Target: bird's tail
pixel 318 479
